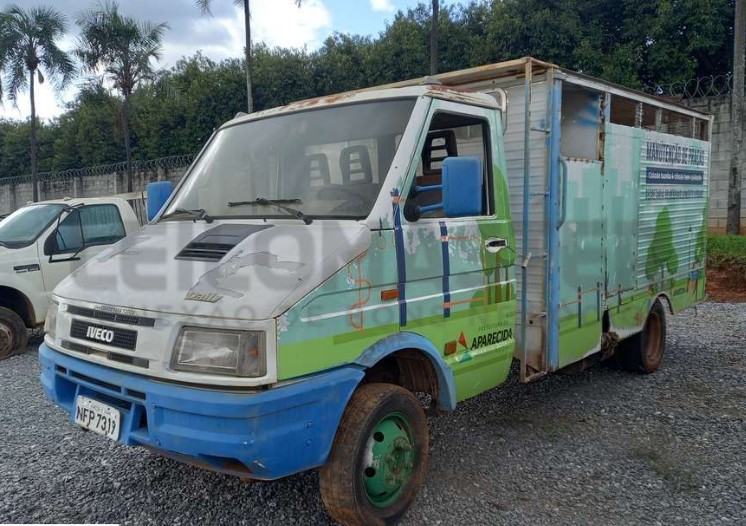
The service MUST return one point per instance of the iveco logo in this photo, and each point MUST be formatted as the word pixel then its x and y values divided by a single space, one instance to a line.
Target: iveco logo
pixel 102 335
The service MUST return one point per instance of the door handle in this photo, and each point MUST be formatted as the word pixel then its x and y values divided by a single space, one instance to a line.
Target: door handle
pixel 495 244
pixel 564 168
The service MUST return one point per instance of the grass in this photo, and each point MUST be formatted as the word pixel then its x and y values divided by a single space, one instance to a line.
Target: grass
pixel 727 251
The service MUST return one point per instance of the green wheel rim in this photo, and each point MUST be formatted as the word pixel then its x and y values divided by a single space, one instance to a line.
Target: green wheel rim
pixel 388 461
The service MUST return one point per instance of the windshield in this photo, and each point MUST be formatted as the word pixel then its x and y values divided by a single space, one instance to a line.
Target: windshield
pixel 24 226
pixel 325 163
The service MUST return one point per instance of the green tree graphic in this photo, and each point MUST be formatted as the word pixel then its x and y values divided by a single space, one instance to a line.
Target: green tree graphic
pixel 699 248
pixel 661 252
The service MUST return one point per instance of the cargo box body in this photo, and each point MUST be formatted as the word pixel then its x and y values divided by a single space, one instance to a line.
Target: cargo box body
pixel 608 193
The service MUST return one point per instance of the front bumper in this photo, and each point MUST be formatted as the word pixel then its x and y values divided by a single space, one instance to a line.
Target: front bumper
pixel 262 435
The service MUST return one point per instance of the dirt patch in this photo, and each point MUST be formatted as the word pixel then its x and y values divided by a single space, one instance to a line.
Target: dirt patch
pixel 726 285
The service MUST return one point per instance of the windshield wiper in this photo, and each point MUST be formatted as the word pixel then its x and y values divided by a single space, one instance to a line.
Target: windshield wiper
pixel 198 213
pixel 278 203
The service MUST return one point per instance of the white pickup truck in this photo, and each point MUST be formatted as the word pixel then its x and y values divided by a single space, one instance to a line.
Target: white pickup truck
pixel 42 243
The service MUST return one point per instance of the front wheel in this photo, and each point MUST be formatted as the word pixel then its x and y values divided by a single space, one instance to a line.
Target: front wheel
pixel 13 335
pixel 378 458
pixel 643 352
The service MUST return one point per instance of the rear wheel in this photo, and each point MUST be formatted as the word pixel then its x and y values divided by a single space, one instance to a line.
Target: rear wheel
pixel 13 335
pixel 643 352
pixel 379 457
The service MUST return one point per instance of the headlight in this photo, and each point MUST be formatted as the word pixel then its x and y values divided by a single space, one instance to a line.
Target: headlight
pixel 216 351
pixel 50 323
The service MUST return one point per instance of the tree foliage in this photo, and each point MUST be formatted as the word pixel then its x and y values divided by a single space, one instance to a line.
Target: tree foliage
pixel 638 43
pixel 123 49
pixel 28 44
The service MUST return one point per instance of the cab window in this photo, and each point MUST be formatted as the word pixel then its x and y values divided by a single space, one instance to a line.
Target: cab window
pixel 451 135
pixel 89 226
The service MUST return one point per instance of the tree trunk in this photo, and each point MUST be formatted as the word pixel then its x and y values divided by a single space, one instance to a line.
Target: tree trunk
pixel 126 135
pixel 434 39
pixel 34 154
pixel 249 94
pixel 733 225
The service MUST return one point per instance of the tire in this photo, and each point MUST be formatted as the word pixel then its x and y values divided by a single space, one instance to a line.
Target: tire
pixel 383 431
pixel 13 335
pixel 643 352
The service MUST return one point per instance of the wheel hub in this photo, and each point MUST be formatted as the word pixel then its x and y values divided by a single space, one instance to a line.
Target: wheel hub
pixel 389 460
pixel 6 340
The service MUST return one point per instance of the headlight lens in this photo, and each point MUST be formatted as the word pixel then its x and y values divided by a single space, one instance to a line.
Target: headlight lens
pixel 217 351
pixel 50 323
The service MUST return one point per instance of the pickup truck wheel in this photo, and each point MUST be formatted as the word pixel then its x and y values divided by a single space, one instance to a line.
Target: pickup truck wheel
pixel 643 352
pixel 378 458
pixel 13 335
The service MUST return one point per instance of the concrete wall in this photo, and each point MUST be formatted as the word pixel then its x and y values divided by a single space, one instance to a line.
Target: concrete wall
pixel 17 194
pixel 722 147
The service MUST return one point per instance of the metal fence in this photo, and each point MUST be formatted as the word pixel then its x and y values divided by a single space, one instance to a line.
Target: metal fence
pixel 710 86
pixel 164 163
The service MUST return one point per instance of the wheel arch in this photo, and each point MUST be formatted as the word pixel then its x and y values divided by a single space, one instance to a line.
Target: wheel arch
pixel 666 302
pixel 18 302
pixel 412 361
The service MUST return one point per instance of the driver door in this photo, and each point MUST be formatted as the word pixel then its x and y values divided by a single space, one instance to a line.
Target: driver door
pixel 459 282
pixel 82 234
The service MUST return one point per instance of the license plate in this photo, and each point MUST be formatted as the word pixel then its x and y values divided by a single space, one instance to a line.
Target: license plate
pixel 97 417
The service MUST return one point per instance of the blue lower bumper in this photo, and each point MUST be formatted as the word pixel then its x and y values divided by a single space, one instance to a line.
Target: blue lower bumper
pixel 262 435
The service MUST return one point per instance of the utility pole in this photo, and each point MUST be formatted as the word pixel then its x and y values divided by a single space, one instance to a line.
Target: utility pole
pixel 434 39
pixel 733 225
pixel 247 29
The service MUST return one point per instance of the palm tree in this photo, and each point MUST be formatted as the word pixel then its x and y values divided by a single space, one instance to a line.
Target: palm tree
pixel 121 49
pixel 204 6
pixel 28 43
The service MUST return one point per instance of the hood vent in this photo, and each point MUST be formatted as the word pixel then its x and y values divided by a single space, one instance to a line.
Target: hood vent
pixel 214 244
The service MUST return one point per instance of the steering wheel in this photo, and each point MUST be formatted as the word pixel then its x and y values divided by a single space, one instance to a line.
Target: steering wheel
pixel 325 192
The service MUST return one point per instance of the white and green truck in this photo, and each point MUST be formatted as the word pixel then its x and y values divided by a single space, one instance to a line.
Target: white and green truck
pixel 40 244
pixel 321 263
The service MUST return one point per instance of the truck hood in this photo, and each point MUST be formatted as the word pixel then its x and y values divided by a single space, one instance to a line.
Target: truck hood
pixel 249 271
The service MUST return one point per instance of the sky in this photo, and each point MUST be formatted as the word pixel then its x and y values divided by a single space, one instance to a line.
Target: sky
pixel 274 22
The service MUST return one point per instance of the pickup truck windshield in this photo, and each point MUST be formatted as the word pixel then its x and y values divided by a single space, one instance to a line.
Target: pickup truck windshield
pixel 325 163
pixel 24 226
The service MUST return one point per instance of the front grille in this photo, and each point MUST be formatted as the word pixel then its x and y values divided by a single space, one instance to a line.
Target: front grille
pixel 125 319
pixel 113 356
pixel 122 338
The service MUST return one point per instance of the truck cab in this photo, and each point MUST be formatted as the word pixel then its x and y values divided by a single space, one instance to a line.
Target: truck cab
pixel 308 249
pixel 40 244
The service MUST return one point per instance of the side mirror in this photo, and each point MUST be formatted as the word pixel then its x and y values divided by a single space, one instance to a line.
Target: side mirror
pixel 158 194
pixel 50 245
pixel 461 188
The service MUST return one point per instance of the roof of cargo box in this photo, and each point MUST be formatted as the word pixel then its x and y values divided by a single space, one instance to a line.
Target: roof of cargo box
pixel 518 68
pixel 460 87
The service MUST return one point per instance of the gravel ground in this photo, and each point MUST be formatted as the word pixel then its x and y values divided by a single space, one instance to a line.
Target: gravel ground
pixel 601 447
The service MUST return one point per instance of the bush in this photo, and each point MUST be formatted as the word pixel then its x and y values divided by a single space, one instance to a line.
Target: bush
pixel 727 251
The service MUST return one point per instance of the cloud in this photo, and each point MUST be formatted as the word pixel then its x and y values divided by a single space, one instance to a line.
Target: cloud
pixel 282 23
pixel 382 5
pixel 220 36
